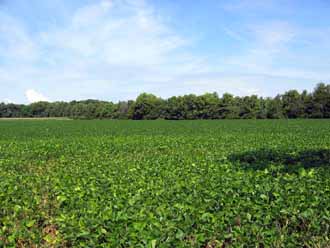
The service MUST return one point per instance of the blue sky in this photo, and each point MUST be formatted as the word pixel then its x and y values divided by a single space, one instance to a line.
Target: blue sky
pixel 115 49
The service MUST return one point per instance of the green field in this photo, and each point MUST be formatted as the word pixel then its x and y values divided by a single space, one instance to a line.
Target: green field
pixel 165 183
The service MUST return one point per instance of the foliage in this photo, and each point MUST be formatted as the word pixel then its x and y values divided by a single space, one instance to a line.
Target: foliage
pixel 164 183
pixel 291 105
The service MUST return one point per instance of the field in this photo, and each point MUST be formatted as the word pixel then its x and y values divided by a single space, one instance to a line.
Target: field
pixel 165 183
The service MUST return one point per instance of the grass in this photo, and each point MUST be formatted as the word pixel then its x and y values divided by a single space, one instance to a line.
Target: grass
pixel 165 183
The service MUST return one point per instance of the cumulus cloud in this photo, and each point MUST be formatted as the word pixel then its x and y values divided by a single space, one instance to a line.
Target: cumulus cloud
pixel 35 96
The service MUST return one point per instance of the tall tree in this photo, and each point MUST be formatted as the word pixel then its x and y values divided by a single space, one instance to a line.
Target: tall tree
pixel 274 108
pixel 250 107
pixel 293 106
pixel 321 101
pixel 229 107
pixel 146 107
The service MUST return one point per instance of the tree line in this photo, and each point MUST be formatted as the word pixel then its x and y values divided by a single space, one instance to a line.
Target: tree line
pixel 291 104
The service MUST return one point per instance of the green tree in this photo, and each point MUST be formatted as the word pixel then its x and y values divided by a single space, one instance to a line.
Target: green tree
pixel 321 101
pixel 39 109
pixel 146 107
pixel 274 108
pixel 229 107
pixel 293 106
pixel 175 108
pixel 208 106
pixel 250 107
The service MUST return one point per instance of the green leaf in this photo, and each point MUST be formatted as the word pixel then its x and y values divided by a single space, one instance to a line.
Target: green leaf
pixel 179 234
pixel 153 243
pixel 30 223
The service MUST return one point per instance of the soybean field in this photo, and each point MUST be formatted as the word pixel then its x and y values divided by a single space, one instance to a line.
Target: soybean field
pixel 221 183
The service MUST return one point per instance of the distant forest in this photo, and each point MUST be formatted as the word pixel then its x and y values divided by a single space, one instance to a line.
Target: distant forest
pixel 291 104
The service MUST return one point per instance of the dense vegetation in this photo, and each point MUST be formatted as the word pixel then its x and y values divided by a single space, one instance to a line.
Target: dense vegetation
pixel 291 104
pixel 258 183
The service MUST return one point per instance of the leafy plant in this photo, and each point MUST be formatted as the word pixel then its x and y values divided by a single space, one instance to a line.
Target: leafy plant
pixel 165 184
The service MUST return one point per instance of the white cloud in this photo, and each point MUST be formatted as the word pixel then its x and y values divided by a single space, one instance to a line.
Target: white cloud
pixel 35 96
pixel 15 42
pixel 273 35
pixel 104 45
pixel 117 49
pixel 7 101
pixel 268 43
pixel 134 38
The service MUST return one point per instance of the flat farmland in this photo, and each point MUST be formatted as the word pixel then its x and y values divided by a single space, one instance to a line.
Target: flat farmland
pixel 226 183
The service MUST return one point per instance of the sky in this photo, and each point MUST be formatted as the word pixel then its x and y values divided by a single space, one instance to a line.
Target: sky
pixel 63 50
